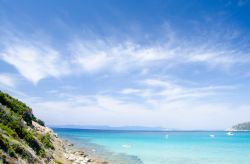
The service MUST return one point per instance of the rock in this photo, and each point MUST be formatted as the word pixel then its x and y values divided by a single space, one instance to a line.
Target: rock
pixel 81 158
pixel 83 162
pixel 86 159
pixel 72 157
pixel 70 144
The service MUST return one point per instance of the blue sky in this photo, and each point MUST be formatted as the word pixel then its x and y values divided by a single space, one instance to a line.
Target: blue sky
pixel 175 64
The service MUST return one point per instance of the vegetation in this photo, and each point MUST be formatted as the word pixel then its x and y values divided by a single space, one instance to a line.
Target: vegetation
pixel 242 126
pixel 17 132
pixel 20 150
pixel 46 140
pixel 6 130
pixel 5 146
pixel 40 122
pixel 58 162
pixel 18 107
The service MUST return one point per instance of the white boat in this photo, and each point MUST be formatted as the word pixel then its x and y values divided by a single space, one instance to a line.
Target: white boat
pixel 212 135
pixel 230 134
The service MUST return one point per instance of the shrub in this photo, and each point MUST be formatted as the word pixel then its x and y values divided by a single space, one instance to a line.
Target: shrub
pixel 8 131
pixel 21 132
pixel 5 146
pixel 32 142
pixel 46 140
pixel 20 150
pixel 27 117
pixel 41 153
pixel 17 107
pixel 40 122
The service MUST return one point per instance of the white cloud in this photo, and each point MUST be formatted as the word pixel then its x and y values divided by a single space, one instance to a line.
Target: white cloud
pixel 8 80
pixel 163 102
pixel 88 56
pixel 218 58
pixel 159 83
pixel 35 61
pixel 113 111
pixel 113 56
pixel 158 90
pixel 118 56
pixel 130 91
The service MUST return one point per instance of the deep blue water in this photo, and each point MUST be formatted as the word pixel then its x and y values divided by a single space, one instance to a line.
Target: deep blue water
pixel 162 147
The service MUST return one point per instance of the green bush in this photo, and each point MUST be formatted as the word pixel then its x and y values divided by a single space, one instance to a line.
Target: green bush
pixel 21 132
pixel 8 131
pixel 27 117
pixel 21 151
pixel 41 153
pixel 40 122
pixel 46 140
pixel 17 107
pixel 5 146
pixel 32 142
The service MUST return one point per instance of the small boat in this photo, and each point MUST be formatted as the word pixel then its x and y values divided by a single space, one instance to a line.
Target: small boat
pixel 230 134
pixel 212 135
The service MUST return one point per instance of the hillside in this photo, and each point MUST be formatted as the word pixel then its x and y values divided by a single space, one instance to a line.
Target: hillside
pixel 242 126
pixel 25 139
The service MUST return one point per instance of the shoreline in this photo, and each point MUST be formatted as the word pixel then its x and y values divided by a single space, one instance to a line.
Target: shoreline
pixel 79 155
pixel 64 151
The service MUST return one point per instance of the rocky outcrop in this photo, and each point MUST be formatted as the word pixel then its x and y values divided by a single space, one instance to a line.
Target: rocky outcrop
pixel 25 139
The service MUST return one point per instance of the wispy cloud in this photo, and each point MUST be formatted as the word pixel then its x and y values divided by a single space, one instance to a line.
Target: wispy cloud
pixel 101 55
pixel 158 91
pixel 8 80
pixel 36 60
pixel 220 58
pixel 113 110
pixel 156 101
pixel 130 91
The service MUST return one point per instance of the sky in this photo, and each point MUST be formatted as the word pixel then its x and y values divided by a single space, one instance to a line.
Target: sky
pixel 174 64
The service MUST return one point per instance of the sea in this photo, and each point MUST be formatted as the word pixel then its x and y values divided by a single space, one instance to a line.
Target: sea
pixel 161 147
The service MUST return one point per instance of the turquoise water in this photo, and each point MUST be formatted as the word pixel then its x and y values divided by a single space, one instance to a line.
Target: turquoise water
pixel 162 147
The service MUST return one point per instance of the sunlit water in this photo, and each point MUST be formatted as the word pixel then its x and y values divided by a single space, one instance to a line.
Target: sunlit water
pixel 162 147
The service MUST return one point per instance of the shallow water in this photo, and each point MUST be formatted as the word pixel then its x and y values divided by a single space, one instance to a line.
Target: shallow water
pixel 162 147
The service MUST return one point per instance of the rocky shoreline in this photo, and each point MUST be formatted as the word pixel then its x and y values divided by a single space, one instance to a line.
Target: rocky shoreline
pixel 77 156
pixel 65 152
